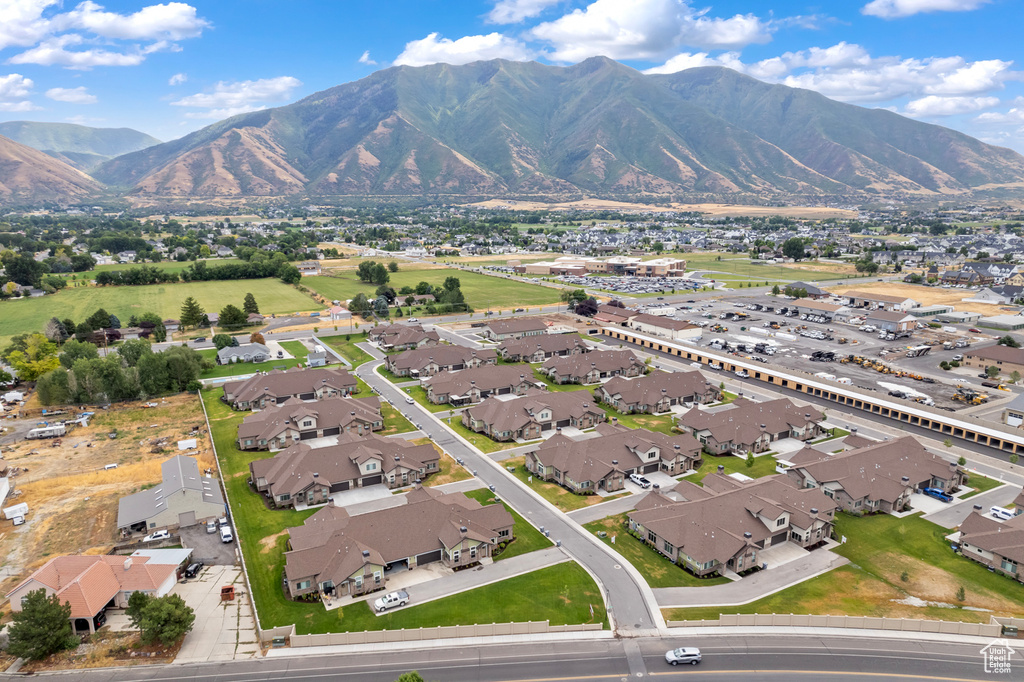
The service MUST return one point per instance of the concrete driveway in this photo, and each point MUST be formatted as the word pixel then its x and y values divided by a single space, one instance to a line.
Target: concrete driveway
pixel 208 547
pixel 223 631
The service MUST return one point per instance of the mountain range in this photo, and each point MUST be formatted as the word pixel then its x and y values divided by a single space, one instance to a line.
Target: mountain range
pixel 503 128
pixel 27 174
pixel 77 145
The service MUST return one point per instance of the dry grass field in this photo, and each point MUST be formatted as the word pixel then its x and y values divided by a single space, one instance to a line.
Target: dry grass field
pixel 810 212
pixel 927 296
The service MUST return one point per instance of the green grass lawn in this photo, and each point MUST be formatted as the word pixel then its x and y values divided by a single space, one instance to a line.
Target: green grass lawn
pixel 419 394
pixel 480 441
pixel 836 433
pixel 981 484
pixel 348 349
pixel 552 492
pixel 394 421
pixel 166 266
pixel 552 386
pixel 656 568
pixel 763 466
pixel 741 267
pixel 662 423
pixel 481 291
pixel 528 538
pixel 392 377
pixel 19 316
pixel 241 368
pixel 881 550
pixel 296 348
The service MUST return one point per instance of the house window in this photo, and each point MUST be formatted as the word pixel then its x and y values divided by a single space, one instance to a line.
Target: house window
pixel 376 577
pixel 359 582
pixel 455 555
pixel 371 466
pixel 1009 566
pixel 652 536
pixel 668 547
pixel 780 522
pixel 284 497
pixel 302 585
pixel 307 423
pixel 472 552
pixel 503 533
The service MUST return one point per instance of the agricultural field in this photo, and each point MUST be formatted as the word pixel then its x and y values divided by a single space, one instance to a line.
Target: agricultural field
pixel 72 499
pixel 166 266
pixel 26 315
pixel 481 291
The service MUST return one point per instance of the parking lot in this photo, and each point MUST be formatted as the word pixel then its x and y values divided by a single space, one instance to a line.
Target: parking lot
pixel 208 546
pixel 633 286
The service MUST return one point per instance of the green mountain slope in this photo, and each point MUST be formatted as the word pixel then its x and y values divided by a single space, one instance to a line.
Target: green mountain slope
pixel 499 127
pixel 77 145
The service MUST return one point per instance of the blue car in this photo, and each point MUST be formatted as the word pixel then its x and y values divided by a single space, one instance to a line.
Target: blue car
pixel 938 494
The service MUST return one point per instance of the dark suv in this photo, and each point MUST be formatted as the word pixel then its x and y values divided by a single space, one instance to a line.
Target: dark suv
pixel 193 569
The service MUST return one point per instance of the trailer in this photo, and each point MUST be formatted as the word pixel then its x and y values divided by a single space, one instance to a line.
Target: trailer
pixel 918 351
pixel 48 431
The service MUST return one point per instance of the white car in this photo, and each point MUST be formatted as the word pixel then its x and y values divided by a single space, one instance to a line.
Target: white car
pixel 399 598
pixel 714 365
pixel 742 374
pixel 158 535
pixel 640 481
pixel 410 401
pixel 687 654
pixel 226 534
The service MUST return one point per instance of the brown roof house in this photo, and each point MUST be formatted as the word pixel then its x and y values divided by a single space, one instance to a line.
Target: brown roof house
pixel 333 553
pixel 513 328
pixel 473 385
pixel 92 584
pixel 305 476
pixel 746 426
pixel 281 386
pixel 541 348
pixel 526 417
pixel 593 367
pixel 722 526
pixel 1007 359
pixel 394 337
pixel 280 426
pixel 879 477
pixel 997 544
pixel 586 466
pixel 426 362
pixel 657 392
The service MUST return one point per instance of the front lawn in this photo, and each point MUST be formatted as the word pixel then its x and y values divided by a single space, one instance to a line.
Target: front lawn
pixel 662 423
pixel 981 484
pixel 891 559
pixel 656 568
pixel 448 470
pixel 527 538
pixel 480 441
pixel 419 394
pixel 392 377
pixel 394 421
pixel 297 349
pixel 552 386
pixel 552 492
pixel 347 348
pixel 763 466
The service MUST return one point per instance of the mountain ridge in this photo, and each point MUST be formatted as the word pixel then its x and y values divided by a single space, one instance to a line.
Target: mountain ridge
pixel 29 174
pixel 80 146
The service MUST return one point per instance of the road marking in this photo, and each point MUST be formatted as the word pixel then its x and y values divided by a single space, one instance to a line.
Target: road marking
pixel 818 673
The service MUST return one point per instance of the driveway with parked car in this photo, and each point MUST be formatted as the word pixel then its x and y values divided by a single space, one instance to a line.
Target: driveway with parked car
pixel 208 546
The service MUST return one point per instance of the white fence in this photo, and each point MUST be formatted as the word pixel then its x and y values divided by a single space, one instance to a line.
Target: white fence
pixel 420 634
pixel 855 622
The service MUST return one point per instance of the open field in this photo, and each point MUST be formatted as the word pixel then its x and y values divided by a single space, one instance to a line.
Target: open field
pixel 744 269
pixel 167 266
pixel 26 315
pixel 882 549
pixel 656 568
pixel 72 499
pixel 812 212
pixel 481 291
pixel 927 296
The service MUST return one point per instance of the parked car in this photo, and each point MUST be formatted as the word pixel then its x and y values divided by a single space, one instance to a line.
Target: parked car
pixel 225 534
pixel 410 401
pixel 974 330
pixel 211 526
pixel 193 569
pixel 391 599
pixel 158 535
pixel 640 481
pixel 958 357
pixel 687 654
pixel 938 494
pixel 742 374
pixel 414 319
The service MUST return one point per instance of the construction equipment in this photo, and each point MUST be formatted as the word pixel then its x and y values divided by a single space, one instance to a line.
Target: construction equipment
pixel 966 394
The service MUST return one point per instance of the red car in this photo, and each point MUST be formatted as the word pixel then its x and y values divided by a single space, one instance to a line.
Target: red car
pixel 974 331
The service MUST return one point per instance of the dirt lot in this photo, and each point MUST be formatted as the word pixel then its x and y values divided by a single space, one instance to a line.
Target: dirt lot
pixel 928 296
pixel 811 212
pixel 72 499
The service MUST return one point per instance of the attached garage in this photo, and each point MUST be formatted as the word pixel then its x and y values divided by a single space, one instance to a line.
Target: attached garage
pixel 428 557
pixel 650 468
pixel 779 538
pixel 307 396
pixel 372 480
pixel 340 487
pixel 563 423
pixel 332 431
pixel 307 435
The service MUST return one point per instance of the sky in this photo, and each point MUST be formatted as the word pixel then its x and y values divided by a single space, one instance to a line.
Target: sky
pixel 170 68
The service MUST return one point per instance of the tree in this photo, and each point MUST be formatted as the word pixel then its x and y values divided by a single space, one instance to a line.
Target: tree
pixel 750 460
pixel 249 305
pixel 452 283
pixel 424 288
pixel 359 305
pixel 289 274
pixel 393 266
pixel 231 317
pixel 132 350
pixel 191 313
pixel 38 357
pixel 221 341
pixel 387 292
pixel 412 676
pixel 256 337
pixel 587 308
pixel 1008 341
pixel 98 320
pixel 575 297
pixel 793 248
pixel 379 274
pixel 380 306
pixel 115 322
pixel 992 371
pixel 165 619
pixel 775 290
pixel 137 601
pixel 55 331
pixel 42 627
pixel 961 460
pixel 365 270
pixel 182 366
pixel 1014 457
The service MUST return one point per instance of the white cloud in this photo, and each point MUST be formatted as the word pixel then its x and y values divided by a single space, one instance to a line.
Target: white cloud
pixel 53 52
pixel 365 59
pixel 177 79
pixel 23 23
pixel 1014 116
pixel 895 9
pixel 933 105
pixel 975 77
pixel 431 50
pixel 645 29
pixel 77 95
pixel 170 21
pixel 14 92
pixel 514 11
pixel 228 99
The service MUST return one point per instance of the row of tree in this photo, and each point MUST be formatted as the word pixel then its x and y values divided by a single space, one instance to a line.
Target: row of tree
pixel 372 272
pixel 231 317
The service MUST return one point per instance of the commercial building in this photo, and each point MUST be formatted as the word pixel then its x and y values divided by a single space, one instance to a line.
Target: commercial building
pixel 1008 360
pixel 183 498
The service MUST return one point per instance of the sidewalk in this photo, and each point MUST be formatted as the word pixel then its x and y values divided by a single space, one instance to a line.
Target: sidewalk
pixel 752 587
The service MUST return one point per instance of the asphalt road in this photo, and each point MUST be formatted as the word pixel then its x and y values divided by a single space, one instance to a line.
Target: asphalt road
pixel 738 657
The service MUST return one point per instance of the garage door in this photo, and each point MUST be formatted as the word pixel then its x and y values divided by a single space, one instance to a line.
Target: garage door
pixel 372 480
pixel 332 432
pixel 650 468
pixel 340 487
pixel 307 396
pixel 563 423
pixel 306 435
pixel 779 538
pixel 428 557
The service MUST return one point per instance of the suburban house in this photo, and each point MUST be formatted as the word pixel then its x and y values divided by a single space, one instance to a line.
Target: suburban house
pixel 92 584
pixel 172 325
pixel 513 328
pixel 280 386
pixel 426 362
pixel 506 417
pixel 333 553
pixel 541 348
pixel 184 498
pixel 659 325
pixel 1007 359
pixel 309 268
pixel 722 526
pixel 254 318
pixel 131 333
pixel 282 425
pixel 996 544
pixel 473 385
pixel 873 301
pixel 395 337
pixel 896 322
pixel 879 477
pixel 657 392
pixel 746 426
pixel 584 469
pixel 248 352
pixel 316 359
pixel 593 367
pixel 300 474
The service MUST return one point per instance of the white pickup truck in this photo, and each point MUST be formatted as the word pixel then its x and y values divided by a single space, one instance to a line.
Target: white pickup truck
pixel 399 598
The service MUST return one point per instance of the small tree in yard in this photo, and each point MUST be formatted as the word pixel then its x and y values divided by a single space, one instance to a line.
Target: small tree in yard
pixel 1015 376
pixel 256 337
pixel 410 677
pixel 948 443
pixel 42 627
pixel 750 460
pixel 249 305
pixel 163 619
pixel 992 371
pixel 1014 457
pixel 221 341
pixel 961 461
pixel 961 593
pixel 191 313
pixel 775 290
